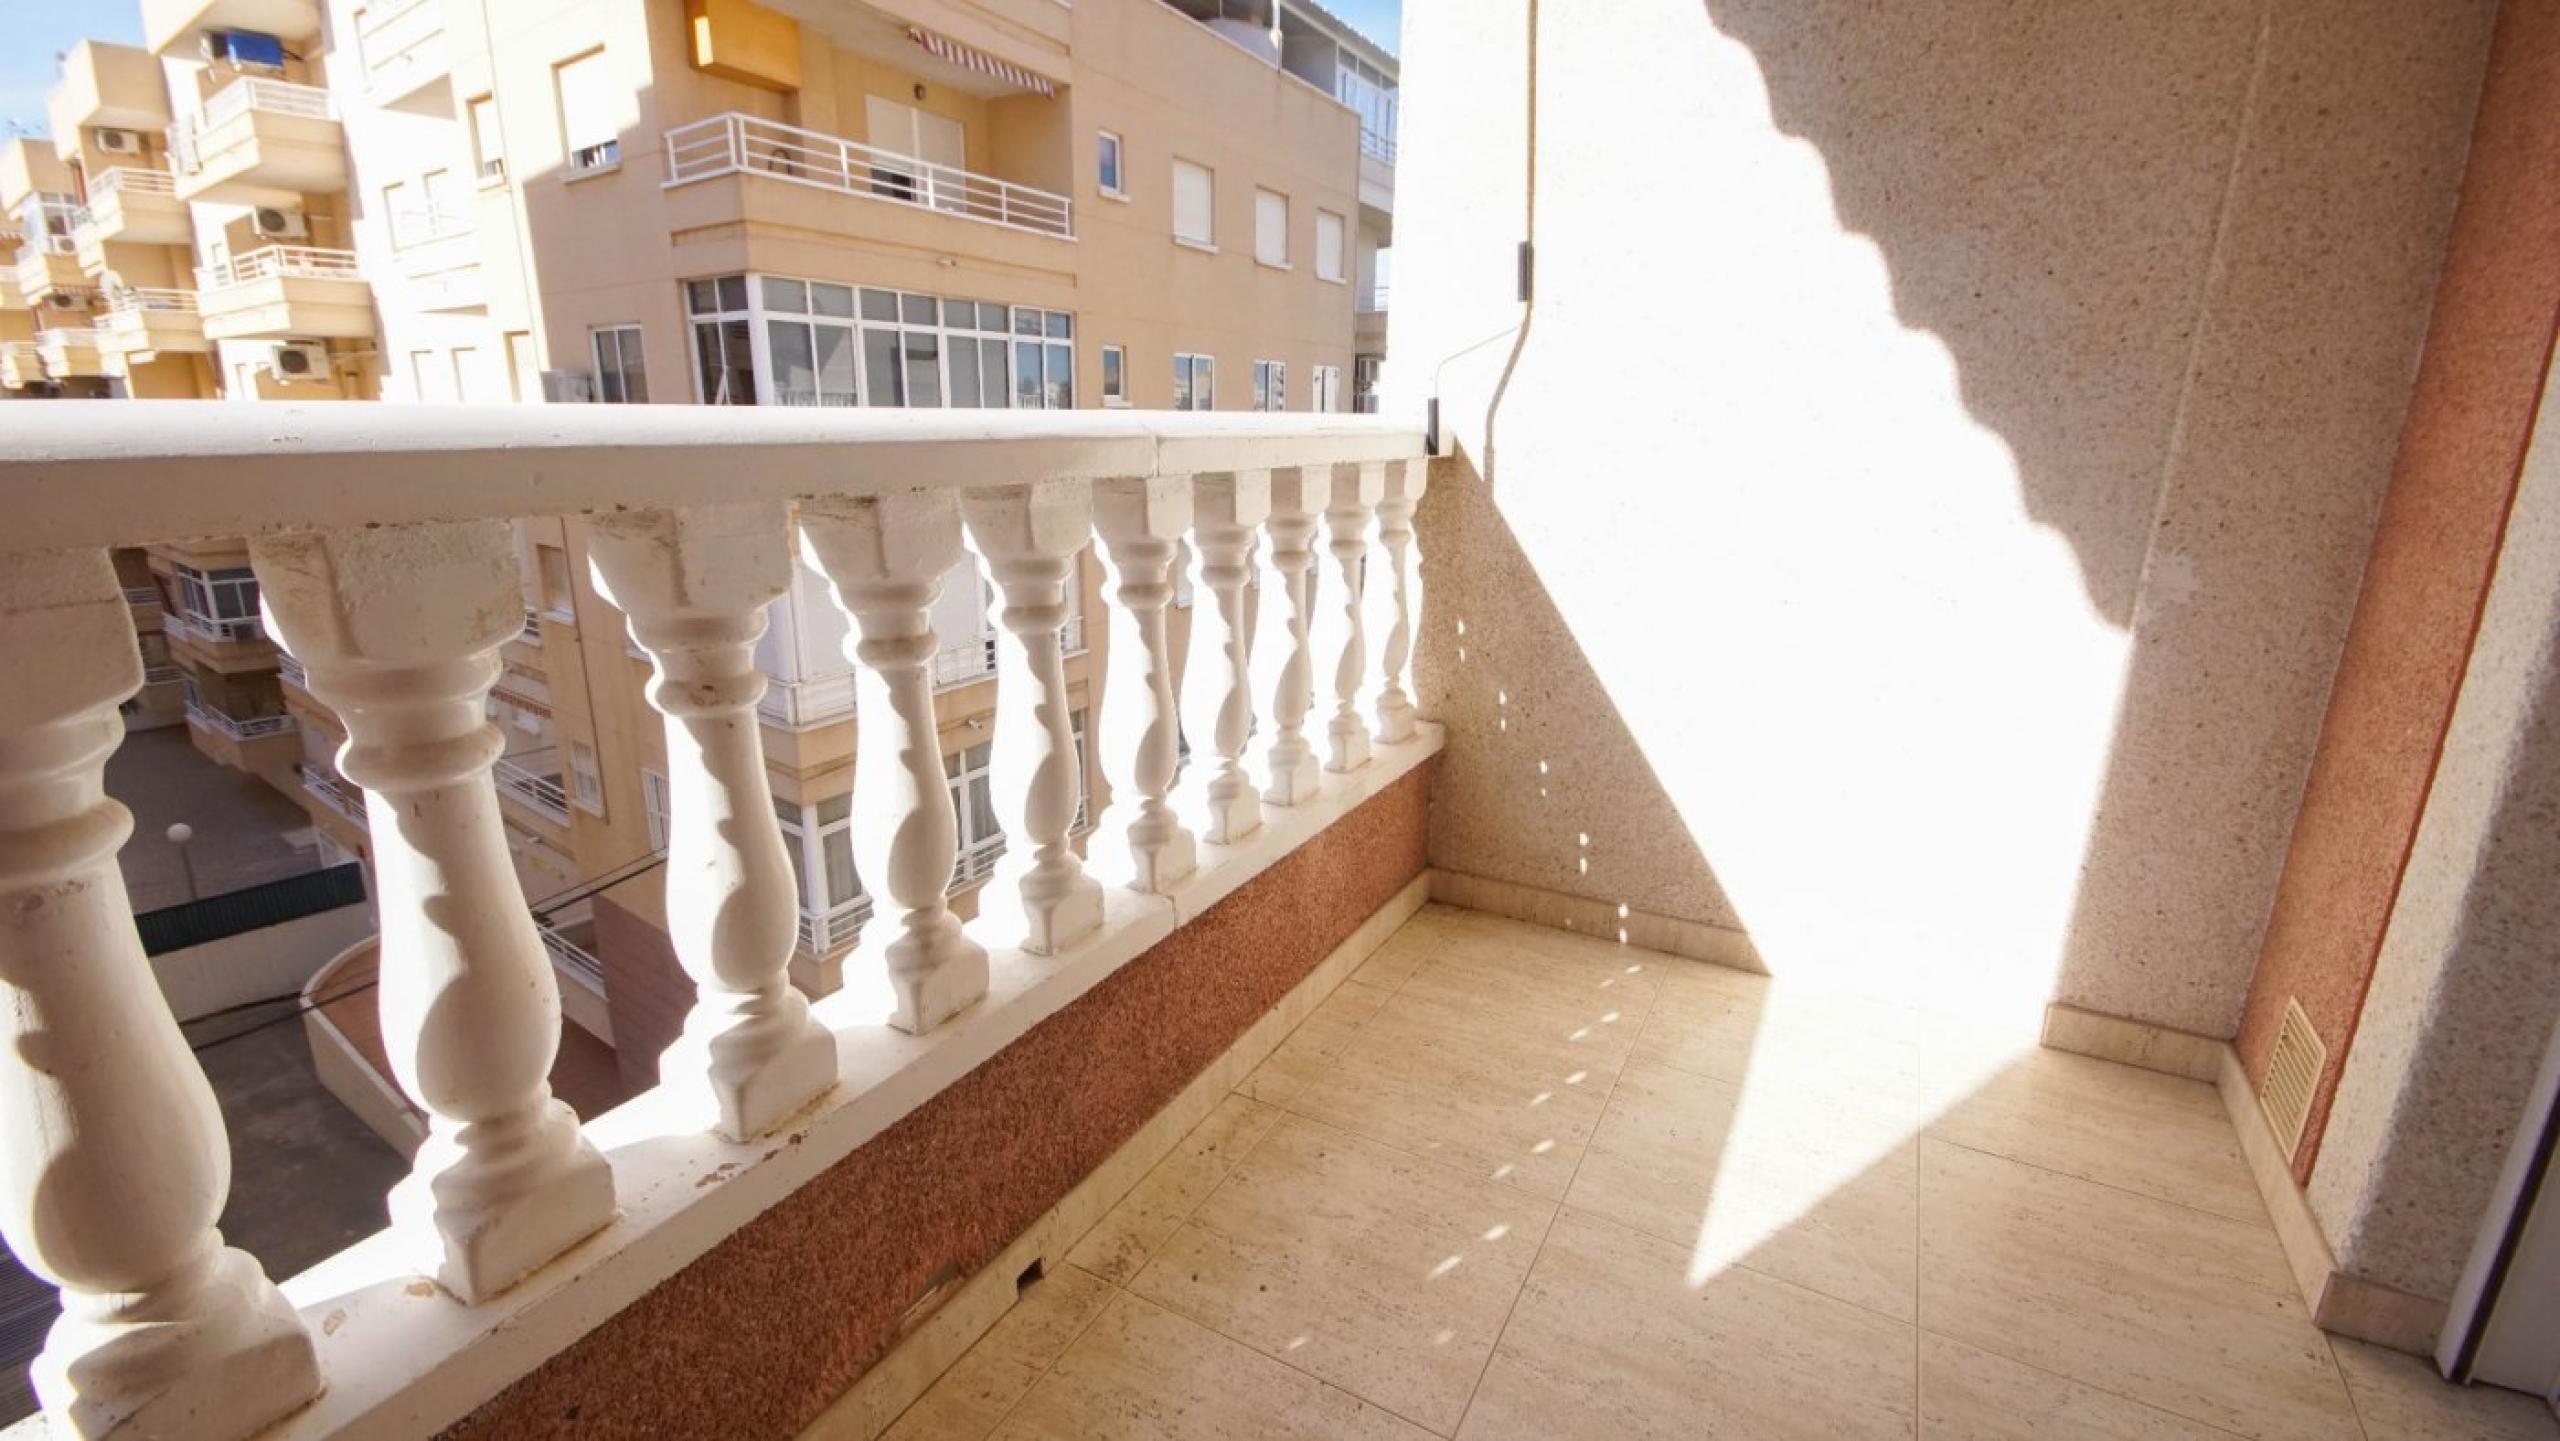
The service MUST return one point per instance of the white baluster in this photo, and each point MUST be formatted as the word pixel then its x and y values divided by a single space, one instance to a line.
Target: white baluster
pixel 1356 490
pixel 1230 509
pixel 1297 494
pixel 1031 536
pixel 113 1164
pixel 886 557
pixel 1404 482
pixel 1142 521
pixel 695 584
pixel 398 629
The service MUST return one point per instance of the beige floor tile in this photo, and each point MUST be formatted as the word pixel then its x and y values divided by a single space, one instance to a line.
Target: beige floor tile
pixel 986 1382
pixel 1591 999
pixel 2137 1130
pixel 2177 1308
pixel 1612 1341
pixel 1382 1274
pixel 1496 1105
pixel 1972 1395
pixel 1132 1231
pixel 2401 1398
pixel 1738 1027
pixel 1319 1039
pixel 1400 955
pixel 1142 1373
pixel 1785 1181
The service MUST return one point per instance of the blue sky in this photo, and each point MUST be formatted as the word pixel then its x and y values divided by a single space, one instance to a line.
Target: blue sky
pixel 33 32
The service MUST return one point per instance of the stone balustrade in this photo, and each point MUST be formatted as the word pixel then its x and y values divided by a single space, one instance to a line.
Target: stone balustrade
pixel 382 542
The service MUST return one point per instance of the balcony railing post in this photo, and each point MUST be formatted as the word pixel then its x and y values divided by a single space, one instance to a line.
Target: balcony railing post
pixel 885 557
pixel 113 1164
pixel 1297 495
pixel 1142 520
pixel 695 584
pixel 1031 536
pixel 695 587
pixel 1231 511
pixel 1356 492
pixel 398 629
pixel 1405 482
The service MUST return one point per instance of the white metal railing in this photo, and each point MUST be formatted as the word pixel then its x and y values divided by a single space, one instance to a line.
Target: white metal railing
pixel 162 674
pixel 131 180
pixel 1378 145
pixel 239 728
pixel 392 591
pixel 290 671
pixel 576 959
pixel 976 863
pixel 213 629
pixel 135 301
pixel 743 144
pixel 333 791
pixel 798 705
pixel 291 262
pixel 193 141
pixel 142 595
pixel 532 626
pixel 823 933
pixel 411 229
pixel 959 665
pixel 1375 300
pixel 542 792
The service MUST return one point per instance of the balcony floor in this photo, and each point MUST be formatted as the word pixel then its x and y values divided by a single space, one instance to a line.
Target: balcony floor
pixel 1508 1181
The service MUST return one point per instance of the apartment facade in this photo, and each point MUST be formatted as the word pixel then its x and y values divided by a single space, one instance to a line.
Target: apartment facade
pixel 1010 204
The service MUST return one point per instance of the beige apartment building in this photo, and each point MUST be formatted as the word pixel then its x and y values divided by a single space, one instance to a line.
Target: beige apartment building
pixel 981 203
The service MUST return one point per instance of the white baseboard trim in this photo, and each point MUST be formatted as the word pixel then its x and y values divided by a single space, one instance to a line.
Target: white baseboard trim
pixel 1717 945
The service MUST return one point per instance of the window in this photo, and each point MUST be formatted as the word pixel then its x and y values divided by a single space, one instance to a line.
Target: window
pixel 524 368
pixel 1328 246
pixel 1115 375
pixel 587 130
pixel 828 886
pixel 1271 228
pixel 1271 385
pixel 551 568
pixel 398 215
pixel 1328 391
pixel 442 213
pixel 467 382
pixel 1107 164
pixel 1084 785
pixel 1364 384
pixel 655 801
pixel 1194 199
pixel 1044 375
pixel 622 375
pixel 488 144
pixel 723 341
pixel 226 601
pixel 1195 382
pixel 584 779
pixel 973 803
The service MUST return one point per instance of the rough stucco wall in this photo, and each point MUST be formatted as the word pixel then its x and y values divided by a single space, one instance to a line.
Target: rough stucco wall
pixel 2433 552
pixel 2466 992
pixel 1943 451
pixel 756 1337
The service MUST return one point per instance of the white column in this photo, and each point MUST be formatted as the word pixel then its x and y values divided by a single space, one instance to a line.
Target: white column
pixel 886 557
pixel 1230 508
pixel 1297 495
pixel 1142 521
pixel 1404 482
pixel 113 1163
pixel 695 584
pixel 1356 490
pixel 398 629
pixel 1031 536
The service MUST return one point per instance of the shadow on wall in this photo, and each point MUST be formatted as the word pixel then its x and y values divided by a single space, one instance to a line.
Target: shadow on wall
pixel 1998 408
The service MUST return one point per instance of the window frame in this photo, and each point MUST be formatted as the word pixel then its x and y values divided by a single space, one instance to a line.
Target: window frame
pixel 1260 256
pixel 1270 385
pixel 1191 368
pixel 1209 215
pixel 488 163
pixel 1110 181
pixel 586 778
pixel 599 155
pixel 657 806
pixel 1338 273
pixel 627 340
pixel 1115 389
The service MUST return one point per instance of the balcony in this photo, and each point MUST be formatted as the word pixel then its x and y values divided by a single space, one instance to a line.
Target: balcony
pixel 104 86
pixel 141 325
pixel 131 204
pixel 331 789
pixel 533 777
pixel 172 28
pixel 739 170
pixel 260 142
pixel 49 267
pixel 73 352
pixel 437 254
pixel 695 524
pixel 282 292
pixel 401 47
pixel 21 365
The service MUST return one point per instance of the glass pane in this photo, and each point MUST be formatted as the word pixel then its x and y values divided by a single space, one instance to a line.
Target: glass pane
pixel 701 297
pixel 635 372
pixel 706 356
pixel 879 305
pixel 733 292
pixel 1062 378
pixel 788 295
pixel 982 809
pixel 964 374
pixel 1182 382
pixel 880 367
pixel 1112 383
pixel 795 368
pixel 993 374
pixel 836 849
pixel 799 865
pixel 1026 321
pixel 835 365
pixel 1058 324
pixel 991 317
pixel 827 299
pixel 738 351
pixel 1026 375
pixel 924 367
pixel 917 309
pixel 1204 382
pixel 834 809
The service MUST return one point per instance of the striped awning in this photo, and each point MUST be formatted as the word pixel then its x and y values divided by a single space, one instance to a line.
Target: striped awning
pixel 946 48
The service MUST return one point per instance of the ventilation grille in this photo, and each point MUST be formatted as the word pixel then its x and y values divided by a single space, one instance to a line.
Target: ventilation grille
pixel 2292 1074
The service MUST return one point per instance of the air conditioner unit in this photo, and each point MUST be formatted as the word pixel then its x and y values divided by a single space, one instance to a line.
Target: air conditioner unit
pixel 117 142
pixel 276 223
pixel 302 360
pixel 67 300
pixel 61 244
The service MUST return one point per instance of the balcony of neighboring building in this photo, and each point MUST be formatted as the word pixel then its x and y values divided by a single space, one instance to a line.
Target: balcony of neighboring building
pixel 214 625
pixel 258 140
pixel 21 366
pixel 117 89
pixel 283 291
pixel 175 29
pixel 400 47
pixel 74 352
pixel 133 205
pixel 244 725
pixel 48 259
pixel 435 256
pixel 141 325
